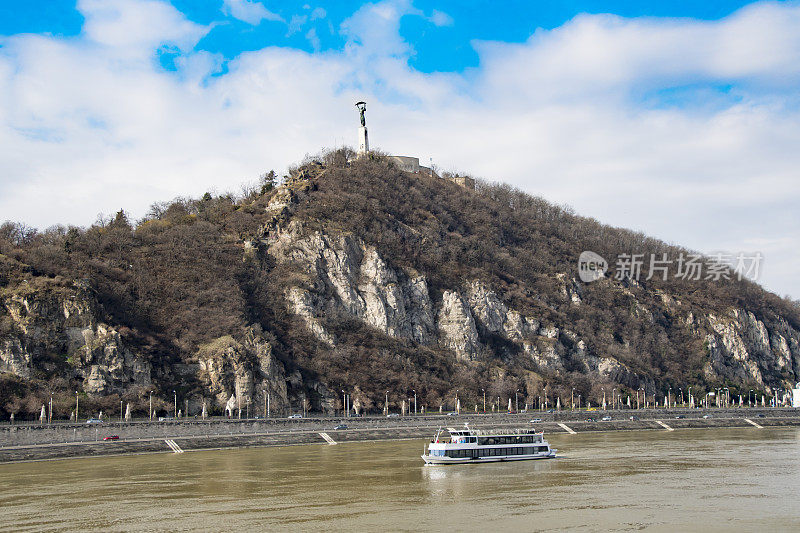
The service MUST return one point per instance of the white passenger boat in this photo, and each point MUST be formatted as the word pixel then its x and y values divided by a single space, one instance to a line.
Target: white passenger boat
pixel 484 446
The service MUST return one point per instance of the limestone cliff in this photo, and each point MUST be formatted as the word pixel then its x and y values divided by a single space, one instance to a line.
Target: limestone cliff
pixel 55 326
pixel 245 371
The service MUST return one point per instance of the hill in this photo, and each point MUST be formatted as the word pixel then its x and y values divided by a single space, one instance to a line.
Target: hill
pixel 353 275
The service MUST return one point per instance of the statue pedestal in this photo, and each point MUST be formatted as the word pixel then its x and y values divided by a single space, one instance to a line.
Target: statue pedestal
pixel 363 141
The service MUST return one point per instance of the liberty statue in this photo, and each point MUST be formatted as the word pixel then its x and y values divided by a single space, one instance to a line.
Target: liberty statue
pixel 362 108
pixel 363 140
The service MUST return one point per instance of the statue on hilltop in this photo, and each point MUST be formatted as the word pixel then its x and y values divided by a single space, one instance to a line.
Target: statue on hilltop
pixel 362 108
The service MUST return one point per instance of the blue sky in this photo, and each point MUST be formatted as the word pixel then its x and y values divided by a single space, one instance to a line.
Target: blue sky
pixel 680 119
pixel 443 47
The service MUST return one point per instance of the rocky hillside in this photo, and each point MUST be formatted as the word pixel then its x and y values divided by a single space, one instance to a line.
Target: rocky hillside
pixel 355 276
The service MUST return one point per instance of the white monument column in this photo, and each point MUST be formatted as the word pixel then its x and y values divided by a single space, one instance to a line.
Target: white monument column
pixel 363 141
pixel 363 137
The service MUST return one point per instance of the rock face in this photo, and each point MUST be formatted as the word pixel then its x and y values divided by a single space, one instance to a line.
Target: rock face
pixel 236 372
pixel 742 347
pixel 345 276
pixel 457 326
pixel 54 325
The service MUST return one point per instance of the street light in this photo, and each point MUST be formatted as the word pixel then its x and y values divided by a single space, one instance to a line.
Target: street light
pixel 150 414
pixel 749 404
pixel 344 406
pixel 76 406
pixel 484 400
pixel 386 405
pixel 175 394
pixel 572 399
pixel 415 400
pixel 604 397
pixel 516 400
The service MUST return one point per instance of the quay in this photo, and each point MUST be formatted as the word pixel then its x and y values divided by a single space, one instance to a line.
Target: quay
pixel 27 441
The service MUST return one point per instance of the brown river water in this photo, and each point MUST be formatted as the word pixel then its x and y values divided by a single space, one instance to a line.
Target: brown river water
pixel 689 480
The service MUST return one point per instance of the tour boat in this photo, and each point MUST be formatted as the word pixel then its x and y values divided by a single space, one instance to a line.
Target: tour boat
pixel 484 446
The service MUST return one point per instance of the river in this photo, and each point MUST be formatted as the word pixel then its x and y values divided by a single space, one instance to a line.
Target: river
pixel 689 480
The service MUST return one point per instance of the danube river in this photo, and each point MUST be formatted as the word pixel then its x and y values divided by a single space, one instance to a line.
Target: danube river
pixel 690 480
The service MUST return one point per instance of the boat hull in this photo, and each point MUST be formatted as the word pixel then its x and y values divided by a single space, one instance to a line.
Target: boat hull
pixel 444 460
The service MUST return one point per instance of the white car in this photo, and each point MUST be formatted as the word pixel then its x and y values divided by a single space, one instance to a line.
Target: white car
pixel 295 416
pixel 606 419
pixel 536 420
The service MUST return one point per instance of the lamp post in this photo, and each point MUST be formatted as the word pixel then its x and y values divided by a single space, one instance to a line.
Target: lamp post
pixel 484 400
pixel 749 403
pixel 415 400
pixel 579 401
pixel 614 398
pixel 120 411
pixel 76 406
pixel 175 395
pixel 386 405
pixel 150 414
pixel 516 400
pixel 265 404
pixel 455 405
pixel 344 406
pixel 572 399
pixel 680 391
pixel 604 397
pixel 669 397
pixel 50 418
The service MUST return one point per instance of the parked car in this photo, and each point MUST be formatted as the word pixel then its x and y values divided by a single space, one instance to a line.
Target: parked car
pixel 707 416
pixel 295 416
pixel 590 419
pixel 634 418
pixel 551 410
pixel 341 426
pixel 452 413
pixel 536 420
pixel 165 418
pixel 606 419
pixel 392 415
pixel 94 421
pixel 111 437
pixel 679 417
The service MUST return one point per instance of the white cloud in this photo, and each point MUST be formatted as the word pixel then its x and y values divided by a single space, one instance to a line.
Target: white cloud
pixel 92 124
pixel 440 18
pixel 249 11
pixel 137 25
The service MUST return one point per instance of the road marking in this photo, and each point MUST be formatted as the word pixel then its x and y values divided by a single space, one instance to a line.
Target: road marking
pixel 662 424
pixel 172 444
pixel 751 422
pixel 567 428
pixel 327 438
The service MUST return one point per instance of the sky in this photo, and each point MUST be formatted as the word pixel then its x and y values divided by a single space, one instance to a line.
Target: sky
pixel 678 119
